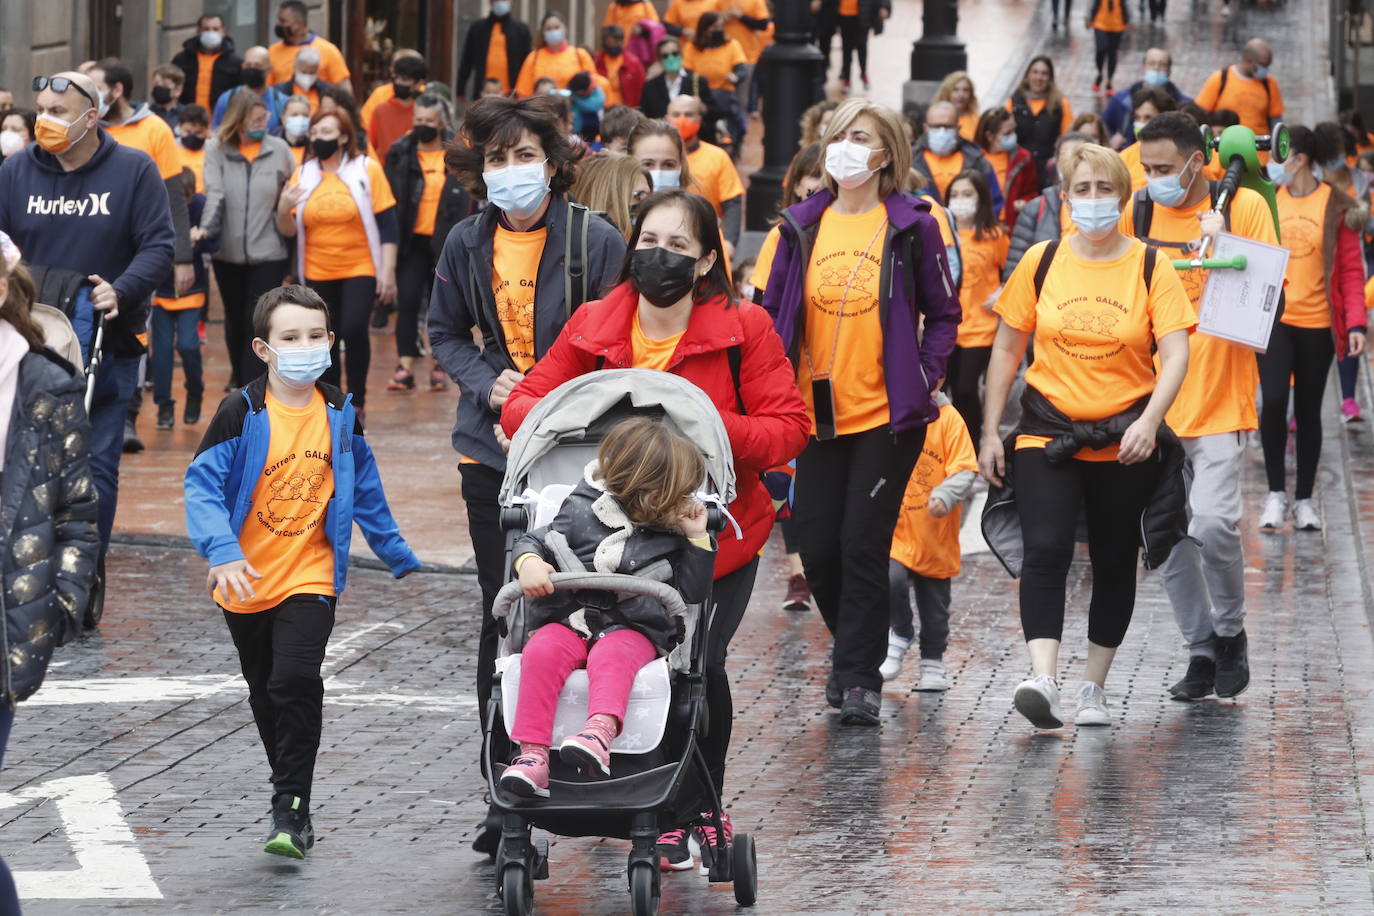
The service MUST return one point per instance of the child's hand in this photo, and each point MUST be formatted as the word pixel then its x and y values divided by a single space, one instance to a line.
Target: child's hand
pixel 937 508
pixel 233 576
pixel 534 577
pixel 692 520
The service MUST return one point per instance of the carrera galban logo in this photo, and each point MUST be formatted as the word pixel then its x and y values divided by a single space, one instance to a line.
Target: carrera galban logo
pixel 93 204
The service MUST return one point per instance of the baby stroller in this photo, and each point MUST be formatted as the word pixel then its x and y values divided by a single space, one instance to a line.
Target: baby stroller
pixel 660 779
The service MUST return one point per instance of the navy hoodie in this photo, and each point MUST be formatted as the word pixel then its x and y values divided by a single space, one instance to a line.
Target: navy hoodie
pixel 110 217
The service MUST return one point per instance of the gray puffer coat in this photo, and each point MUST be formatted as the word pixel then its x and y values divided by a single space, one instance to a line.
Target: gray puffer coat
pixel 48 537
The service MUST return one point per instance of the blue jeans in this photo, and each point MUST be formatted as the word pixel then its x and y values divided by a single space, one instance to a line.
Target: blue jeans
pixel 9 896
pixel 175 329
pixel 114 386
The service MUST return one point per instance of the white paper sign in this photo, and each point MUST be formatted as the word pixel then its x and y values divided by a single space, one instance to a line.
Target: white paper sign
pixel 1240 305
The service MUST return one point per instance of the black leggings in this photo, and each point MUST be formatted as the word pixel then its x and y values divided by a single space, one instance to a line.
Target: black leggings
pixel 1305 354
pixel 240 285
pixel 1068 9
pixel 350 307
pixel 966 368
pixel 1048 497
pixel 1106 44
pixel 481 487
pixel 853 40
pixel 848 494
pixel 730 599
pixel 414 277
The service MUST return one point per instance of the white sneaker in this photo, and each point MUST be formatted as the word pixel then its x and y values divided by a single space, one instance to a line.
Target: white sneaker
pixel 896 651
pixel 1305 516
pixel 1092 706
pixel 1038 700
pixel 1275 511
pixel 933 677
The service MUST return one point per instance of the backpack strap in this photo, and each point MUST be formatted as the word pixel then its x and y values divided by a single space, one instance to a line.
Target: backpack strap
pixel 1225 74
pixel 1144 213
pixel 575 257
pixel 736 358
pixel 1151 256
pixel 1043 268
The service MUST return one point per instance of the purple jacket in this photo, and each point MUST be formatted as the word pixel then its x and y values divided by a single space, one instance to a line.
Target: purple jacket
pixel 912 361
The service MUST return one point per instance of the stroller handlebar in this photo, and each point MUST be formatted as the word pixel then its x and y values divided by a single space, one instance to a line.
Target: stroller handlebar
pixel 662 592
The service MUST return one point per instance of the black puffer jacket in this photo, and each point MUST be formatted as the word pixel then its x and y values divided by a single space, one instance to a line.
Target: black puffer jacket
pixel 592 533
pixel 48 534
pixel 1162 524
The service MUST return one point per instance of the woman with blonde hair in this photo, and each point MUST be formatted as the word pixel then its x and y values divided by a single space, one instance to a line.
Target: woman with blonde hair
pixel 859 266
pixel 957 89
pixel 614 185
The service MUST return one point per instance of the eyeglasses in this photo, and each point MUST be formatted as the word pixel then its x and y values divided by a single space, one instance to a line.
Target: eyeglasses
pixel 60 84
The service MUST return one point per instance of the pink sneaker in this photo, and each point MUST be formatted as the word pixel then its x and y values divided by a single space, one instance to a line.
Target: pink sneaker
pixel 527 776
pixel 1350 411
pixel 589 751
pixel 706 838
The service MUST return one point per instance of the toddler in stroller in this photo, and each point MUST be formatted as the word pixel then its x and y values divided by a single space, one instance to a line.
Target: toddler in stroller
pixel 633 511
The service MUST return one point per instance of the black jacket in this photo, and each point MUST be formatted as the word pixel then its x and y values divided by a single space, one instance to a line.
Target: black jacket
pixel 1162 524
pixel 828 19
pixel 472 67
pixel 1037 222
pixel 226 73
pixel 48 536
pixel 654 100
pixel 592 533
pixel 407 182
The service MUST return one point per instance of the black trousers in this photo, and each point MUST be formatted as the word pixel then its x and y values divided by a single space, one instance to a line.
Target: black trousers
pixel 280 653
pixel 967 365
pixel 853 41
pixel 848 495
pixel 1048 497
pixel 729 599
pixel 240 285
pixel 481 486
pixel 1105 47
pixel 414 277
pixel 350 306
pixel 932 604
pixel 1303 355
pixel 1068 9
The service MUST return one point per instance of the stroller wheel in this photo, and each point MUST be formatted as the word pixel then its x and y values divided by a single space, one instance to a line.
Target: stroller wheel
pixel 746 869
pixel 95 607
pixel 517 890
pixel 644 889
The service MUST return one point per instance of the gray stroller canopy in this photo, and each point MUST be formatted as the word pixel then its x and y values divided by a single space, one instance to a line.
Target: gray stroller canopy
pixel 566 413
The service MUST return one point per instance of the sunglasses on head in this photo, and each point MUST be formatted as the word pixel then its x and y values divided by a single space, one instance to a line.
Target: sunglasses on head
pixel 60 84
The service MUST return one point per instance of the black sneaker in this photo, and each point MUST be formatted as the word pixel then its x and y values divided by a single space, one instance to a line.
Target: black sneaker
pixel 380 315
pixel 292 833
pixel 191 415
pixel 674 851
pixel 833 694
pixel 166 415
pixel 861 706
pixel 132 444
pixel 1233 665
pixel 488 837
pixel 1198 682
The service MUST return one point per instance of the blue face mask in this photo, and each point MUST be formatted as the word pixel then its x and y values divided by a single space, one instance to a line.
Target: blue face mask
pixel 665 178
pixel 1094 215
pixel 1261 72
pixel 1169 190
pixel 1007 143
pixel 1335 165
pixel 554 37
pixel 1156 77
pixel 299 367
pixel 942 140
pixel 517 189
pixel 500 7
pixel 1277 173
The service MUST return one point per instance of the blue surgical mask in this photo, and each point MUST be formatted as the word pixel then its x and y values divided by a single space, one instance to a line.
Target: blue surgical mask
pixel 500 7
pixel 942 140
pixel 297 125
pixel 554 37
pixel 299 367
pixel 1169 190
pixel 1094 215
pixel 1261 72
pixel 1156 77
pixel 665 178
pixel 1277 173
pixel 1007 142
pixel 1334 165
pixel 104 107
pixel 517 189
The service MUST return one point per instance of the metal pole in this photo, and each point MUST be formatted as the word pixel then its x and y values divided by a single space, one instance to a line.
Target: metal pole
pixel 936 54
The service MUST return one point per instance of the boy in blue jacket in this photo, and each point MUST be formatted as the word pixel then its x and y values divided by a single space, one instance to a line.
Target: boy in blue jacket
pixel 271 497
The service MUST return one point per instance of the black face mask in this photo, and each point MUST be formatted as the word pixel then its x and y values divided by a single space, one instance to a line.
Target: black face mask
pixel 426 133
pixel 280 33
pixel 254 78
pixel 612 50
pixel 401 90
pixel 324 149
pixel 662 276
pixel 192 142
pixel 162 95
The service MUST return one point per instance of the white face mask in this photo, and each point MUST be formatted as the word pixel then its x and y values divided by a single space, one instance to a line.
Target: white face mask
pixel 964 209
pixel 305 80
pixel 847 163
pixel 11 142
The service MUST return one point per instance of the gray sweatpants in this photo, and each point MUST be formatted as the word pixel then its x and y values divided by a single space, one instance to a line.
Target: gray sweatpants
pixel 932 604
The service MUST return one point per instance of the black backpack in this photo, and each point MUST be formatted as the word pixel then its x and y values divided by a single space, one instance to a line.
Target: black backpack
pixel 1047 258
pixel 1144 215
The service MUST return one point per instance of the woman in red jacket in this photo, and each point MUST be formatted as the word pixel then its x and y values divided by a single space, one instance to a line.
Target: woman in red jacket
pixel 673 311
pixel 1012 163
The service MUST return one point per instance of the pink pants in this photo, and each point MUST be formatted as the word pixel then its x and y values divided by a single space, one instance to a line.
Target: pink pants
pixel 553 653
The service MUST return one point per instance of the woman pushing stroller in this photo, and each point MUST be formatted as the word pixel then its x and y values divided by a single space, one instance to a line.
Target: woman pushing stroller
pixel 633 513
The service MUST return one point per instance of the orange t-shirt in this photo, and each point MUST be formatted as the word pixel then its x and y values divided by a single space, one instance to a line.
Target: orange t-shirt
pixel 1218 394
pixel 685 13
pixel 205 67
pixel 432 165
pixel 968 127
pixel 333 69
pixel 335 241
pixel 559 67
pixel 515 267
pixel 1301 221
pixel 284 535
pixel 714 64
pixel 1038 105
pixel 498 64
pixel 753 41
pixel 179 303
pixel 250 150
pixel 390 121
pixel 1000 163
pixel 715 175
pixel 626 15
pixel 926 545
pixel 1094 328
pixel 195 161
pixel 1110 16
pixel 843 331
pixel 943 170
pixel 763 261
pixel 982 274
pixel 648 353
pixel 154 137
pixel 849 7
pixel 1131 157
pixel 1246 97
